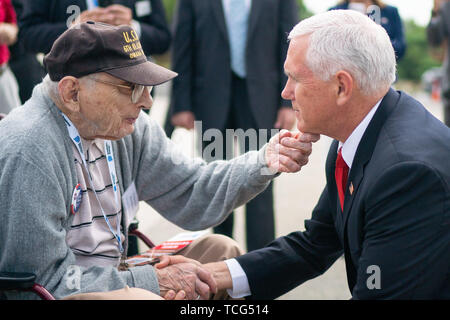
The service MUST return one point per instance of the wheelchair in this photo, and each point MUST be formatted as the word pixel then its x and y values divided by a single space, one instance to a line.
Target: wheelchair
pixel 23 281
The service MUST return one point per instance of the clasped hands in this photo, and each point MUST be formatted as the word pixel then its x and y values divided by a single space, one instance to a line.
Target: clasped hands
pixel 115 14
pixel 181 278
pixel 289 151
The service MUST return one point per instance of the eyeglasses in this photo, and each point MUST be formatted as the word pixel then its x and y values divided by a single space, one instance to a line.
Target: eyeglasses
pixel 137 89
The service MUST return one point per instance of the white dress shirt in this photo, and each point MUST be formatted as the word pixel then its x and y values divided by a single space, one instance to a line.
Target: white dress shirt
pixel 241 287
pixel 226 6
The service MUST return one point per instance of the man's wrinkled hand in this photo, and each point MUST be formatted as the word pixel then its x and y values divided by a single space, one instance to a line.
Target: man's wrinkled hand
pixel 288 151
pixel 182 276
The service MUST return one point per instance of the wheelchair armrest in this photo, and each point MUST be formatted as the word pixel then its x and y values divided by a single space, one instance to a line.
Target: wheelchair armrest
pixel 16 280
pixel 134 225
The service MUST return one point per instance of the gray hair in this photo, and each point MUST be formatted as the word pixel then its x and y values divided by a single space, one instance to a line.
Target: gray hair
pixel 51 87
pixel 348 40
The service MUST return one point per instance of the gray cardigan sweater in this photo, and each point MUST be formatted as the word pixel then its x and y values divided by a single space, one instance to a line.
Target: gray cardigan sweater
pixel 37 179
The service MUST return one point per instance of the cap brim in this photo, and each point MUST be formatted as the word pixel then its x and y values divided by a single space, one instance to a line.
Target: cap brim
pixel 146 74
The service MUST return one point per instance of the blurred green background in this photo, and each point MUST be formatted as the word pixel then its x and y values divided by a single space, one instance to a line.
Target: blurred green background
pixel 418 58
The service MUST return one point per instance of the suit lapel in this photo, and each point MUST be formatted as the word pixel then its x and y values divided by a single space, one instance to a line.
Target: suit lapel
pixel 218 11
pixel 362 157
pixel 255 9
pixel 365 148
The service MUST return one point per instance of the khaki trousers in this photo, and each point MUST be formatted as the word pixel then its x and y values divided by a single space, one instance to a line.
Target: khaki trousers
pixel 209 248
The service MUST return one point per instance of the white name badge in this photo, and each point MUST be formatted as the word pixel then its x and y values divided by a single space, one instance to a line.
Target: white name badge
pixel 143 8
pixel 130 202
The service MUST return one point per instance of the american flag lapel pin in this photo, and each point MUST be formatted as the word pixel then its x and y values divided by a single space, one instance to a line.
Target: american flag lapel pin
pixel 351 188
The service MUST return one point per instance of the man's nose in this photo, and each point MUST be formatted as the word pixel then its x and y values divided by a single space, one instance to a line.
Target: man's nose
pixel 287 92
pixel 146 100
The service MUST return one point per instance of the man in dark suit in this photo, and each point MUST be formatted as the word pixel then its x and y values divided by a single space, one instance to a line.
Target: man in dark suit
pixel 229 56
pixel 43 21
pixel 386 204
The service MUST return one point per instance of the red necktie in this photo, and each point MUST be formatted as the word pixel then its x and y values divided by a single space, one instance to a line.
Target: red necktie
pixel 341 175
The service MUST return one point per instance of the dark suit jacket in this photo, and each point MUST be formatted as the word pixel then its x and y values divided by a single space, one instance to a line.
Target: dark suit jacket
pixel 201 56
pixel 43 21
pixel 391 21
pixel 398 217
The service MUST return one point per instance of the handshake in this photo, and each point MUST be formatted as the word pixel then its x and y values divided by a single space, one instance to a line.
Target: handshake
pixel 181 278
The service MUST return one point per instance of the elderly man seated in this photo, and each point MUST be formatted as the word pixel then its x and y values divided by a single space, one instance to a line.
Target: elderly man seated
pixel 71 156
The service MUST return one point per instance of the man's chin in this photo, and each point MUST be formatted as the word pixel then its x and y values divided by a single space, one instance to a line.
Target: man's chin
pixel 301 127
pixel 117 136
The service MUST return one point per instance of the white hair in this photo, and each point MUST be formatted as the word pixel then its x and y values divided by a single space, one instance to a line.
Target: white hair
pixel 51 87
pixel 348 40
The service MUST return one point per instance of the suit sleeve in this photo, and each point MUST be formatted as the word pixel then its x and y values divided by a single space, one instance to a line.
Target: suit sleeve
pixel 288 19
pixel 405 252
pixel 155 32
pixel 182 56
pixel 293 259
pixel 35 27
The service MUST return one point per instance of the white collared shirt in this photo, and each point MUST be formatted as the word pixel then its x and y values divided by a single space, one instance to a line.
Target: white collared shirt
pixel 351 144
pixel 226 5
pixel 241 286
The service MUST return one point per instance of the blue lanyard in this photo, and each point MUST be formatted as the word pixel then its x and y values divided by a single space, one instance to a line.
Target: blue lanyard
pixel 75 136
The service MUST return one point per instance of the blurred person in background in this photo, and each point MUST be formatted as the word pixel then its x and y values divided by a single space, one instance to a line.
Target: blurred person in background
pixel 44 20
pixel 438 31
pixel 25 65
pixel 229 56
pixel 9 96
pixel 389 19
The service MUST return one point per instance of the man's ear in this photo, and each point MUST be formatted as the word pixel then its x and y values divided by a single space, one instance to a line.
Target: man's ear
pixel 69 88
pixel 344 82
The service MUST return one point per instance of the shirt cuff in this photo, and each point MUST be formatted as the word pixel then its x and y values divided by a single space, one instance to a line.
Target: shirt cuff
pixel 241 288
pixel 137 27
pixel 144 277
